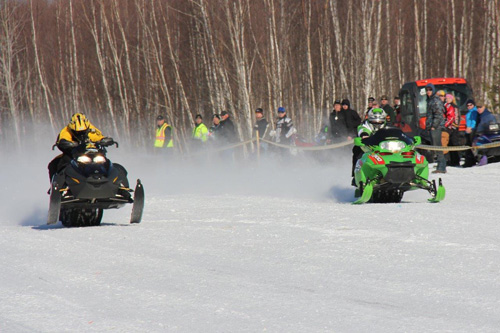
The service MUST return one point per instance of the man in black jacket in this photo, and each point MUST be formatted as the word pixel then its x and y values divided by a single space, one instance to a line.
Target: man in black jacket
pixel 435 124
pixel 227 131
pixel 337 129
pixel 391 115
pixel 352 119
pixel 261 129
pixel 261 125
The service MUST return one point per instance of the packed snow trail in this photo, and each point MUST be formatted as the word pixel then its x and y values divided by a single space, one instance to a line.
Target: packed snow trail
pixel 248 249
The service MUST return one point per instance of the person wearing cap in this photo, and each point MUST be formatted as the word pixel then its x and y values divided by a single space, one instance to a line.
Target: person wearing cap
pixel 261 128
pixel 200 131
pixel 212 131
pixel 163 139
pixel 284 127
pixel 215 126
pixel 486 118
pixel 391 115
pixel 261 124
pixel 450 135
pixel 352 118
pixel 227 131
pixel 338 130
pixel 471 124
pixel 370 104
pixel 435 124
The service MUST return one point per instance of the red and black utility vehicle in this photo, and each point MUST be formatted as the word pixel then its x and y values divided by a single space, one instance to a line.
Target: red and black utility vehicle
pixel 414 102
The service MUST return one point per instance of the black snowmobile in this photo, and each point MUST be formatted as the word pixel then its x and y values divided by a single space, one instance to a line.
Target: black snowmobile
pixel 89 184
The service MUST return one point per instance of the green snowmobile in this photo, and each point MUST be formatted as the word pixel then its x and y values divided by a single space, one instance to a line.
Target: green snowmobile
pixel 390 166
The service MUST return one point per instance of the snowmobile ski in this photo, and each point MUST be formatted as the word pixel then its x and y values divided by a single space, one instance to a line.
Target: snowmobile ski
pixel 54 204
pixel 366 195
pixel 138 205
pixel 440 192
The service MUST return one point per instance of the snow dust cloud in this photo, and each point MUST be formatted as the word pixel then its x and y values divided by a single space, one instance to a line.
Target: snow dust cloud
pixel 308 176
pixel 24 183
pixel 323 175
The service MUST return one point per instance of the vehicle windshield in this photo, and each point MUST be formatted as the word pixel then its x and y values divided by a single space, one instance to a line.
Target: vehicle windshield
pixel 457 90
pixel 385 134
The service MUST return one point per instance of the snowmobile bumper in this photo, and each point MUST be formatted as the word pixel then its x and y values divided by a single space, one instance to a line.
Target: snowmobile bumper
pixel 400 173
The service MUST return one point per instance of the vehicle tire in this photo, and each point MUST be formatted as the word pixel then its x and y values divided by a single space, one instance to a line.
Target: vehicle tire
pixel 81 217
pixel 396 196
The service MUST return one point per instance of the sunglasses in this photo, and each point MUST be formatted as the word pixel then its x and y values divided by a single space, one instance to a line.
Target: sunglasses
pixel 470 104
pixel 428 89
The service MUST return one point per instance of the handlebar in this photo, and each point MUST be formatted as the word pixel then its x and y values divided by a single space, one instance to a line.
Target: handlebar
pixel 105 142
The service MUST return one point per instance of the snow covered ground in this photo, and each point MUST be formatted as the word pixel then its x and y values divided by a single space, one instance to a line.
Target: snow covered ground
pixel 277 248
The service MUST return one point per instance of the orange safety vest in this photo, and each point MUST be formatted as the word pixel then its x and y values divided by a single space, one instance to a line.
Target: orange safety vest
pixel 160 137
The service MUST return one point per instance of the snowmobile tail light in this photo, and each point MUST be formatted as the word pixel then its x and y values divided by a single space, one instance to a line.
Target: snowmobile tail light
pixel 99 159
pixel 84 159
pixel 393 146
pixel 408 154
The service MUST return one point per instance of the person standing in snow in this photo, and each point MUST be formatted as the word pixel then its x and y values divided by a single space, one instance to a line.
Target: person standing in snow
pixel 435 124
pixel 261 129
pixel 352 118
pixel 369 107
pixel 450 136
pixel 164 142
pixel 200 131
pixel 338 130
pixel 391 115
pixel 486 118
pixel 471 124
pixel 284 128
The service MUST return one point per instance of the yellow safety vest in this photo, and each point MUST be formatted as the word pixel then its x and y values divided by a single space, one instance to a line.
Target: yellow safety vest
pixel 160 137
pixel 200 132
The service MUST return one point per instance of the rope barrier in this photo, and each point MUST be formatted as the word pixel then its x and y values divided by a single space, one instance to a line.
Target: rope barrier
pixel 441 148
pixel 332 146
pixel 339 145
pixel 458 148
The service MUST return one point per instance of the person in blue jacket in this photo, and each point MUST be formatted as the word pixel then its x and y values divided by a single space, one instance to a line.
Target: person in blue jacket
pixel 471 124
pixel 485 118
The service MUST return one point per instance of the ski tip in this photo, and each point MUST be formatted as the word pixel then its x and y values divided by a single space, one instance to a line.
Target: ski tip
pixel 441 193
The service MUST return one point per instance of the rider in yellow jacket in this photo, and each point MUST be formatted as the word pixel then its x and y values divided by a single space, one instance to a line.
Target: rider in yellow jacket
pixel 78 131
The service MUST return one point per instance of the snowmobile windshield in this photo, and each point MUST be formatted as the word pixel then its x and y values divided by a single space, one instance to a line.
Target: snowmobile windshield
pixel 385 134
